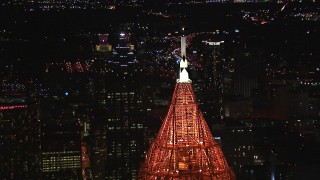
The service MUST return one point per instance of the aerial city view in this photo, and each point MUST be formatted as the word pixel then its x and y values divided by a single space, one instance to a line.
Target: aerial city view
pixel 159 89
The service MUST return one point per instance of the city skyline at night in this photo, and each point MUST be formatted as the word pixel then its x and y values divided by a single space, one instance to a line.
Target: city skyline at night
pixel 159 89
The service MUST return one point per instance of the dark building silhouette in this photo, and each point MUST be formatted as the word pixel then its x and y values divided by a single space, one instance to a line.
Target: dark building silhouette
pixel 20 146
pixel 214 66
pixel 60 140
pixel 249 71
pixel 117 126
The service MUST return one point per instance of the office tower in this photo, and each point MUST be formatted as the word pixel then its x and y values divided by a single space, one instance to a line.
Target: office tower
pixel 60 140
pixel 19 140
pixel 98 148
pixel 214 77
pixel 117 126
pixel 239 147
pixel 184 147
pixel 249 72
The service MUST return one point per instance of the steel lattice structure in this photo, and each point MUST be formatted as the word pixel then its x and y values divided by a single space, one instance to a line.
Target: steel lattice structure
pixel 184 147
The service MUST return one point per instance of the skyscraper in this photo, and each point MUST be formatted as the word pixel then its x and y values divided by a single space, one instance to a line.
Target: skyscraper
pixel 60 141
pixel 19 140
pixel 184 147
pixel 118 128
pixel 214 76
pixel 249 72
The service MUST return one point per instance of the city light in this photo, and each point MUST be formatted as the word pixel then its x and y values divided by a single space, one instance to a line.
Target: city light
pixel 13 107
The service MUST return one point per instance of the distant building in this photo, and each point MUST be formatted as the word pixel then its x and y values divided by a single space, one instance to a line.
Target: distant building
pixel 248 72
pixel 238 146
pixel 214 65
pixel 117 126
pixel 60 141
pixel 20 146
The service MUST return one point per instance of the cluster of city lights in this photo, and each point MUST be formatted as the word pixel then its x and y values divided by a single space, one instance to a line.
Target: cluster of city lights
pixel 12 107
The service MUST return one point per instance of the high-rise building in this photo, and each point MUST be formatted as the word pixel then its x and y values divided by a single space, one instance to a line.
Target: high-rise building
pixel 248 71
pixel 213 80
pixel 184 147
pixel 117 126
pixel 98 148
pixel 239 147
pixel 20 146
pixel 60 141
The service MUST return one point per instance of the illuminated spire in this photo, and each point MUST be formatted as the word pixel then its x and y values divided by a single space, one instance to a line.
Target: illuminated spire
pixel 183 73
pixel 183 46
pixel 184 147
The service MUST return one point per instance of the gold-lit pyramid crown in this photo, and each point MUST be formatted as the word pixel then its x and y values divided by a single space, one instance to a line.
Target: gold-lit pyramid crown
pixel 185 147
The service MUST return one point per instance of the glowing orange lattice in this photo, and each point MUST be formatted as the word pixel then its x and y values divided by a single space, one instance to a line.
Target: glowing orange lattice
pixel 185 147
